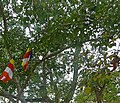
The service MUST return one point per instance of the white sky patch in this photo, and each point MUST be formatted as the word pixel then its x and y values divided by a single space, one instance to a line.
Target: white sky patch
pixel 19 2
pixel 118 94
pixel 115 48
pixel 27 32
pixel 40 57
pixel 69 76
pixel 50 18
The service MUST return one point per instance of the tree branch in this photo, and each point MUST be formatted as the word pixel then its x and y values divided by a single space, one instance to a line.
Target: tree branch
pixel 55 53
pixel 40 61
pixel 6 43
pixel 12 98
pixel 7 95
pixel 39 100
pixel 56 91
pixel 5 30
pixel 75 76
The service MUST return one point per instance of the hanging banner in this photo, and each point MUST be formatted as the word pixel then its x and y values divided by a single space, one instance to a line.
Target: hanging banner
pixel 8 72
pixel 26 59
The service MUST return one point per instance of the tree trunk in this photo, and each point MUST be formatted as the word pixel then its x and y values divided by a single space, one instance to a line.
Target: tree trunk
pixel 75 76
pixel 22 98
pixel 99 98
pixel 99 93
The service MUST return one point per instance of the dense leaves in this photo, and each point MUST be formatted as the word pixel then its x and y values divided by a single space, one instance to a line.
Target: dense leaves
pixel 72 42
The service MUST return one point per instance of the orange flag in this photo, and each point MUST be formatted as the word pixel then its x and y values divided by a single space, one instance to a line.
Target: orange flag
pixel 8 72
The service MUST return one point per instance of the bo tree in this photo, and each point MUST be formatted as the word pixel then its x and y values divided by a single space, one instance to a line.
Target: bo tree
pixel 56 31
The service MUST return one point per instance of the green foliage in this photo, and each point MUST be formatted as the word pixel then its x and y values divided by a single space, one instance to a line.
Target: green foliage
pixel 47 26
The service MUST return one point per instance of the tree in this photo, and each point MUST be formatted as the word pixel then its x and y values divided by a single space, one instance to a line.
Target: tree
pixel 58 32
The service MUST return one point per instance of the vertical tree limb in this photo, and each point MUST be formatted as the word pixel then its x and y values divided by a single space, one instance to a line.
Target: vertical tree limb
pixel 75 75
pixel 57 95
